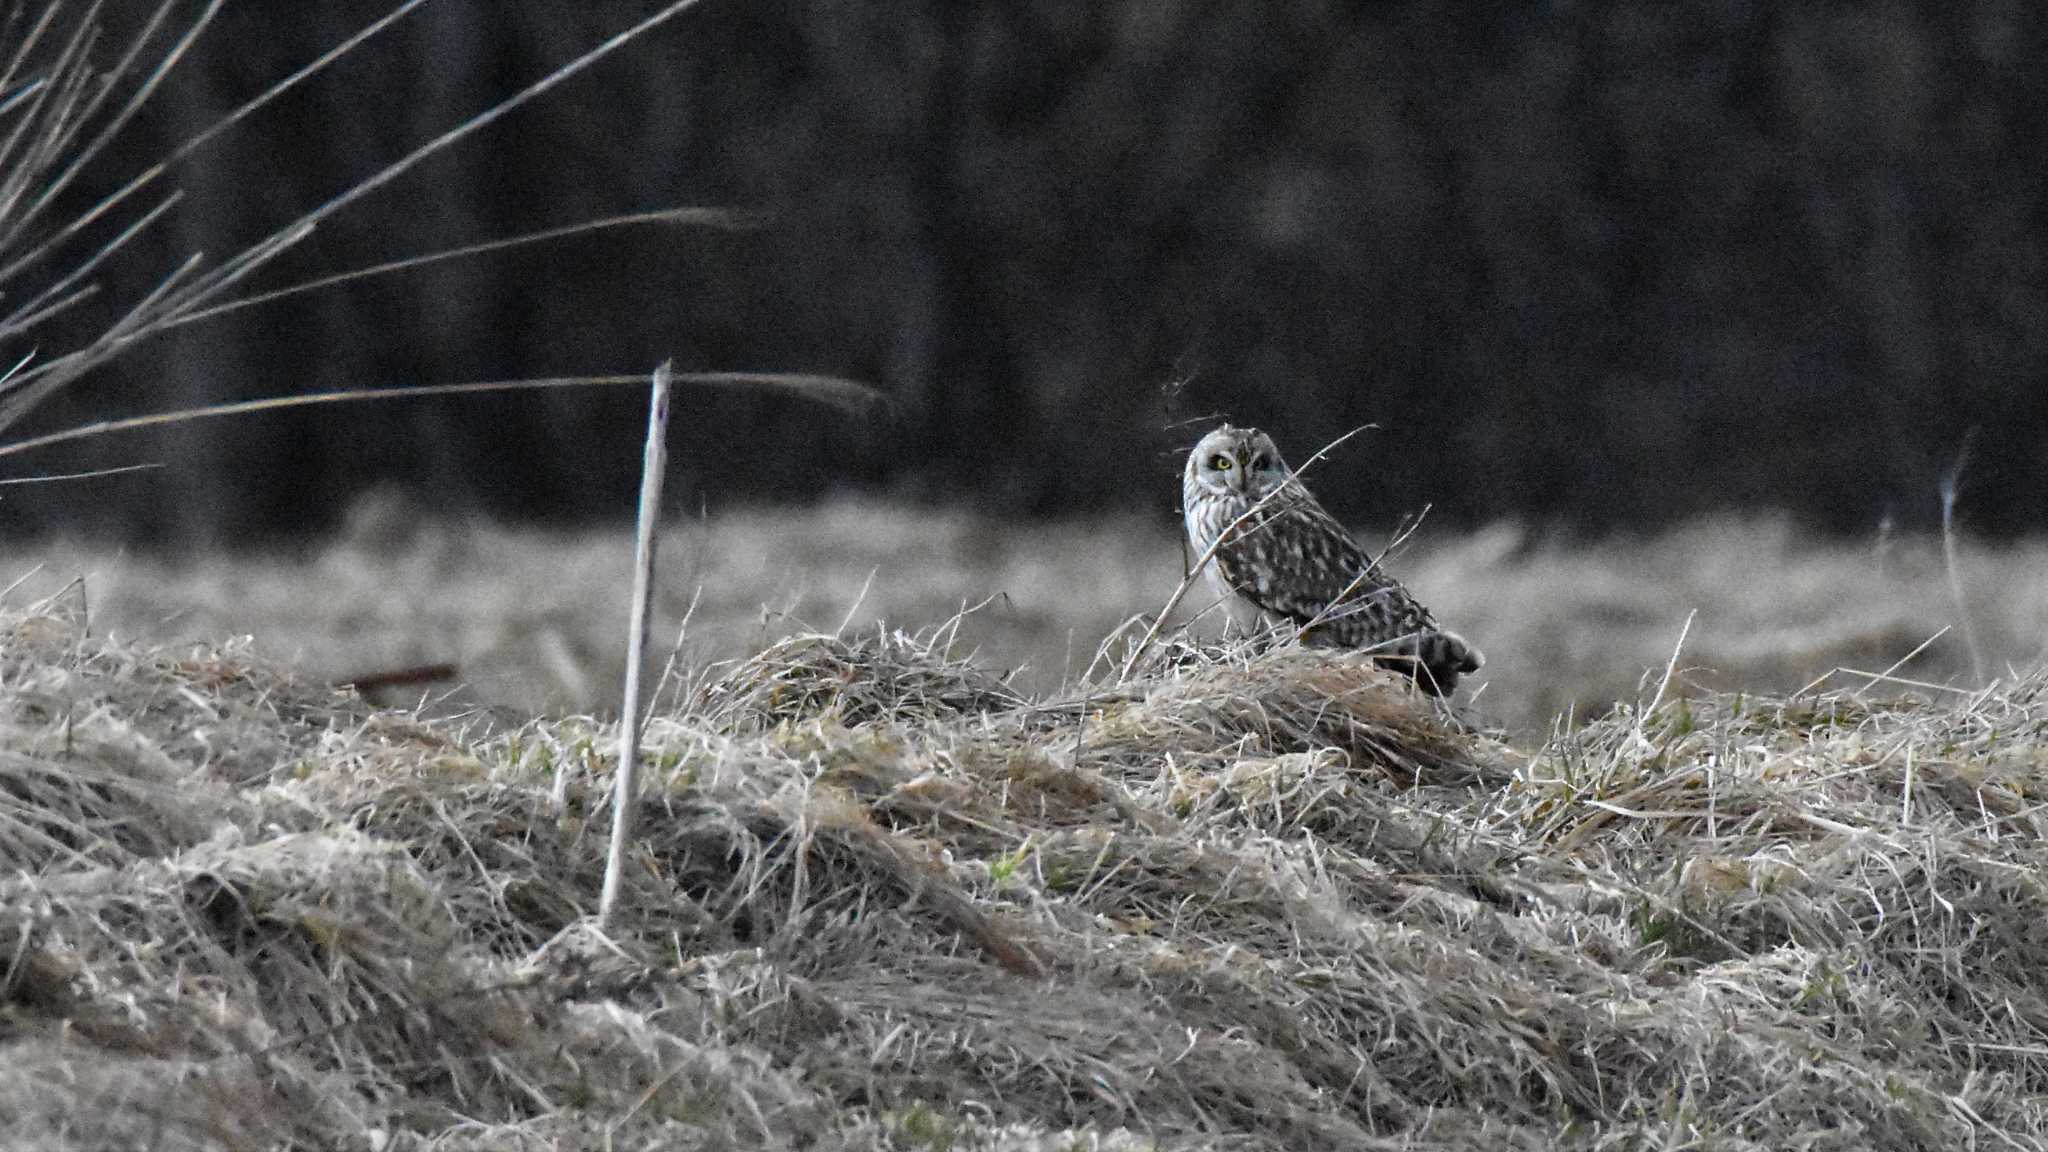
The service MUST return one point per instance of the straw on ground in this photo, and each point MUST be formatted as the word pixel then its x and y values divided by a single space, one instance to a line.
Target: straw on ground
pixel 881 900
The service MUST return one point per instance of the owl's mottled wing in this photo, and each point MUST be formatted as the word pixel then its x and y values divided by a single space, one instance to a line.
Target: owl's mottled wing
pixel 1294 561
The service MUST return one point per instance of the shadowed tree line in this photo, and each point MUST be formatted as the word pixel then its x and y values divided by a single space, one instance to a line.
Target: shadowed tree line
pixel 1597 265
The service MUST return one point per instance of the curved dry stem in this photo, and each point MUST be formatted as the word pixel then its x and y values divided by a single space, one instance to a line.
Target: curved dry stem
pixel 850 395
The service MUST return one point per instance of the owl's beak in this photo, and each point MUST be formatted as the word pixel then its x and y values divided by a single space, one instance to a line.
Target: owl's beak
pixel 1240 477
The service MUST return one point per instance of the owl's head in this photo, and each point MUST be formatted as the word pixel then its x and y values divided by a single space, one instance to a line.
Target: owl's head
pixel 1236 461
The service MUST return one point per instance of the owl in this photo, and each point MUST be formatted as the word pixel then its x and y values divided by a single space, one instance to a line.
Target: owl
pixel 1290 562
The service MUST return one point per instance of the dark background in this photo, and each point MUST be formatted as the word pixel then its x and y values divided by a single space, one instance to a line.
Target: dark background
pixel 1595 266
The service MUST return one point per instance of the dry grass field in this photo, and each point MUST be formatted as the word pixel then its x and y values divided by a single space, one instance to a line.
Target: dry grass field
pixel 883 900
pixel 534 621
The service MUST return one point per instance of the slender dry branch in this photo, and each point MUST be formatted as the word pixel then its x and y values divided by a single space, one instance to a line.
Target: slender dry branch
pixel 93 474
pixel 292 81
pixel 850 395
pixel 627 782
pixel 708 217
pixel 1670 666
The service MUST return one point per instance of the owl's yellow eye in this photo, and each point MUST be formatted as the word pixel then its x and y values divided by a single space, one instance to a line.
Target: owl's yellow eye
pixel 1220 462
pixel 1258 463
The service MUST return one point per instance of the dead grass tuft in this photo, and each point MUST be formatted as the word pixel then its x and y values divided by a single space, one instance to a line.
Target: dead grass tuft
pixel 888 677
pixel 880 901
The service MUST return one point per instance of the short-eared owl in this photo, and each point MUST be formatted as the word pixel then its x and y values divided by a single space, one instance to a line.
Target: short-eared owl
pixel 1290 562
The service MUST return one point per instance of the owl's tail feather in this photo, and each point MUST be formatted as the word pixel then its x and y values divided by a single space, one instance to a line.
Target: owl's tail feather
pixel 1441 657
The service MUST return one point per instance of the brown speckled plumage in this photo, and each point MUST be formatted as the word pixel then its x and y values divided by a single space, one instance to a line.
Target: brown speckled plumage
pixel 1290 561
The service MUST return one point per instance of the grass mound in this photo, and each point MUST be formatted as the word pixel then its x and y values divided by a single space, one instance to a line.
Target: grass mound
pixel 879 901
